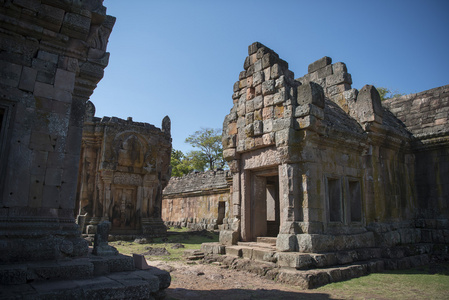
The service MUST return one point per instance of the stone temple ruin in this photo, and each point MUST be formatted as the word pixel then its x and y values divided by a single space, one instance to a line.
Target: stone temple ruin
pixel 52 55
pixel 322 176
pixel 199 201
pixel 326 175
pixel 124 167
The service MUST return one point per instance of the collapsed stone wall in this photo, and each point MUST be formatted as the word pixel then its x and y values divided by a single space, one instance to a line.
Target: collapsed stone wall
pixel 198 201
pixel 124 167
pixel 52 55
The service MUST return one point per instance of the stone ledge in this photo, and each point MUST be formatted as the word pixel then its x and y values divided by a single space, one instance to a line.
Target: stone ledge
pixel 142 284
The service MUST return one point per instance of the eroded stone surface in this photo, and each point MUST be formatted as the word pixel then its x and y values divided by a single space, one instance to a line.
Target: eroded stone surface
pixel 124 168
pixel 53 55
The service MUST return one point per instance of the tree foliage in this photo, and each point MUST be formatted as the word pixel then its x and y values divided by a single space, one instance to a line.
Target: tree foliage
pixel 209 155
pixel 386 93
pixel 180 165
pixel 210 152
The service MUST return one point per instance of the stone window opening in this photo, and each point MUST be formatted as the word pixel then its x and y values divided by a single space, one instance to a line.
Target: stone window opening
pixel 5 116
pixel 334 200
pixel 344 200
pixel 221 212
pixel 354 201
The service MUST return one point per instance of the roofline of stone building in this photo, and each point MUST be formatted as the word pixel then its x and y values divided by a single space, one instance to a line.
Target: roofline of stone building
pixel 197 183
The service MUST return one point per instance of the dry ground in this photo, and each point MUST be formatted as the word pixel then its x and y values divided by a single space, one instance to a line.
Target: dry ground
pixel 203 281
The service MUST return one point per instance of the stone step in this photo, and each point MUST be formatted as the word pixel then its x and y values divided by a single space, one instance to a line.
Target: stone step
pixel 267 240
pixel 305 261
pixel 193 254
pixel 258 245
pixel 301 261
pixel 141 284
pixel 78 268
pixel 310 279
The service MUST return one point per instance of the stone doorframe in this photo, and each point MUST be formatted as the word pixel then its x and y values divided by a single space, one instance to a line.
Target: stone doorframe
pixel 254 204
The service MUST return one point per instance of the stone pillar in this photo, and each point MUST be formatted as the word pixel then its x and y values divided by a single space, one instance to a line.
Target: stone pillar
pixel 101 247
pixel 54 54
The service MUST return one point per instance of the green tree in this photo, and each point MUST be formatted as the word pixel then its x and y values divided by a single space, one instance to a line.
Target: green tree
pixel 180 165
pixel 210 153
pixel 386 93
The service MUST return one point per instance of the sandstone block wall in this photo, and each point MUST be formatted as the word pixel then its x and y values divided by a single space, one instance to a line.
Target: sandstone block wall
pixel 124 167
pixel 52 55
pixel 198 201
pixel 343 163
pixel 425 115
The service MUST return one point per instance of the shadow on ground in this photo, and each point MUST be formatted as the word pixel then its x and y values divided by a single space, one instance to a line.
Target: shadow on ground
pixel 241 294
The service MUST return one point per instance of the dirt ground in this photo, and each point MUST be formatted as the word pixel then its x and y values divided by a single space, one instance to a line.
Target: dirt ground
pixel 203 281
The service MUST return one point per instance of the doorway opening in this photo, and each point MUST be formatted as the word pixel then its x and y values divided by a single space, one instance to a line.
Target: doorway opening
pixel 265 205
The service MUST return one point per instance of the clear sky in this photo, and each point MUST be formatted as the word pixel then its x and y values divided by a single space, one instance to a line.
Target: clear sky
pixel 181 58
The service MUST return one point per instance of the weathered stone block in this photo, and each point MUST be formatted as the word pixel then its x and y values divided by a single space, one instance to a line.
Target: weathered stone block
pixel 309 109
pixel 258 78
pixel 267 126
pixel 321 63
pixel 229 237
pixel 250 93
pixel 280 97
pixel 268 100
pixel 249 106
pixel 324 72
pixel 258 66
pixel 339 67
pixel 51 17
pixel 268 87
pixel 10 73
pixel 27 79
pixel 310 93
pixel 286 243
pixel 258 102
pixel 276 71
pixel 258 127
pixel 258 90
pixel 254 47
pixel 368 105
pixel 258 115
pixel 75 25
pixel 65 80
pixel 338 78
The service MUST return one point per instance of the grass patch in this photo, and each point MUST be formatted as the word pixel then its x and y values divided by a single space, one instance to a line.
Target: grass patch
pixel 188 239
pixel 430 282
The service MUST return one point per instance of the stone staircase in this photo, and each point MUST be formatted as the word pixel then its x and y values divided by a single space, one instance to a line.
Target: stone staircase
pixel 312 270
pixel 93 277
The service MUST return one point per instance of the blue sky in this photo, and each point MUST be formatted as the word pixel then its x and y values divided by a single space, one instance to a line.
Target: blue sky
pixel 181 58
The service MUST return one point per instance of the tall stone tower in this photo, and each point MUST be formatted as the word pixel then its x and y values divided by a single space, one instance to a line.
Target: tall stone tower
pixel 52 56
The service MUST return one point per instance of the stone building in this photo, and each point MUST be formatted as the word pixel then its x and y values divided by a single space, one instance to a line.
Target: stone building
pixel 198 200
pixel 324 167
pixel 124 167
pixel 52 55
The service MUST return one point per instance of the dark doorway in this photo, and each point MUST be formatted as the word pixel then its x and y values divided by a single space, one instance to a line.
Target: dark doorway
pixel 265 211
pixel 273 212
